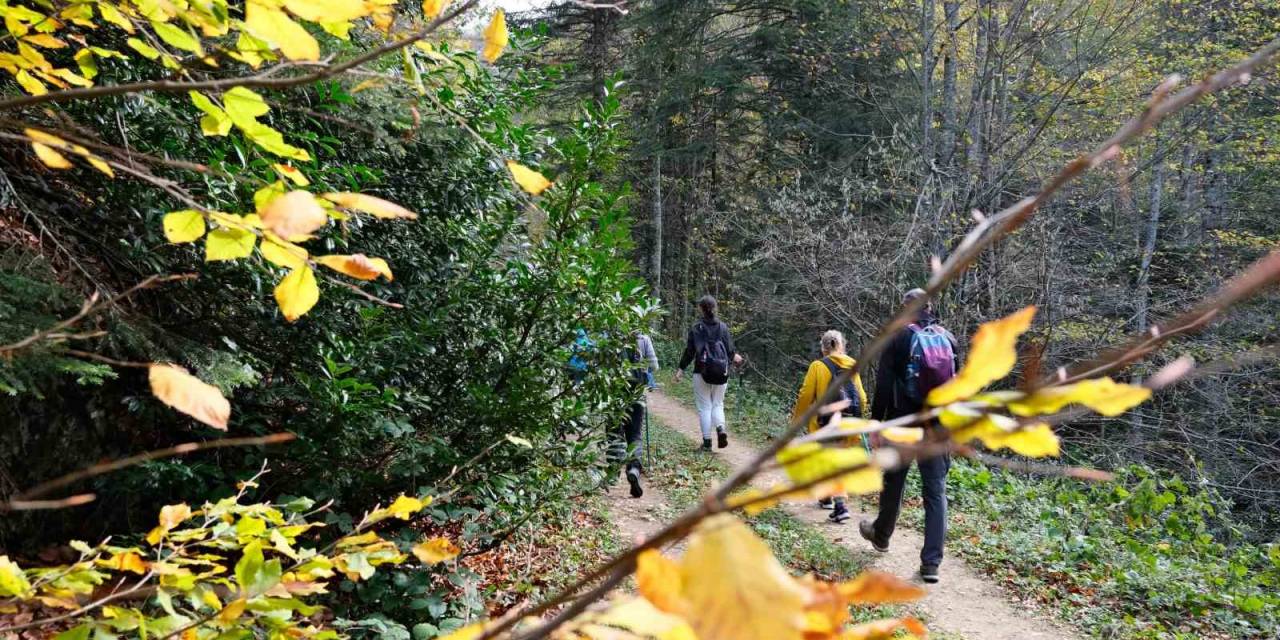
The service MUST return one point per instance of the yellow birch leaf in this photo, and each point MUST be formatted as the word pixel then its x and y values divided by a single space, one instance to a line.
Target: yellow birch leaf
pixel 273 141
pixel 885 630
pixel 125 561
pixel 281 253
pixel 405 506
pixel 436 550
pixel 339 30
pixel 328 10
pixel 30 84
pixel 147 51
pixel 293 173
pixel 735 589
pixel 640 617
pixel 371 83
pixel 87 63
pixel 216 122
pixel 297 293
pixel 177 37
pixel 754 501
pixel 495 37
pixel 49 157
pixel 111 14
pixel 528 179
pixel 71 77
pixel 243 106
pixel 263 197
pixel 188 394
pixel 45 40
pixel 376 207
pixel 183 226
pixel 469 632
pixel 170 516
pixel 232 611
pixel 268 23
pixel 229 244
pixel 659 580
pixel 1103 395
pixel 992 355
pixel 357 266
pixel 294 214
pixel 902 435
pixel 13 582
pixel 431 9
pixel 1035 441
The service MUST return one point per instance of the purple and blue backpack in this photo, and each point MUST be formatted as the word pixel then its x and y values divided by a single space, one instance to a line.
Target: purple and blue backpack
pixel 932 362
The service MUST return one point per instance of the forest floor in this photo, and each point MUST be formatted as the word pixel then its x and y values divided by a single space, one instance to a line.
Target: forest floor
pixel 963 604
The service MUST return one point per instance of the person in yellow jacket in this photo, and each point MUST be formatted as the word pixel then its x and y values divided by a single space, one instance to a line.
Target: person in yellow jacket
pixel 821 372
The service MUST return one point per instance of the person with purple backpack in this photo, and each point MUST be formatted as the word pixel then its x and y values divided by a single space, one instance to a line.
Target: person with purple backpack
pixel 921 357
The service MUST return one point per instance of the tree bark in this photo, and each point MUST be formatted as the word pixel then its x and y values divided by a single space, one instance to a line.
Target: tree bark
pixel 656 255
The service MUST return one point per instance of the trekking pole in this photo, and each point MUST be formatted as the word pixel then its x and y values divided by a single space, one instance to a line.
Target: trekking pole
pixel 647 454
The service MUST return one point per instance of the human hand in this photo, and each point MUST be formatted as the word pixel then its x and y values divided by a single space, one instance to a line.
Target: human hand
pixel 679 375
pixel 737 358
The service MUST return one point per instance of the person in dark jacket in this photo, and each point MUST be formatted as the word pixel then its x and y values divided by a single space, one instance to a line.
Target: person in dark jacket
pixel 892 400
pixel 642 363
pixel 708 395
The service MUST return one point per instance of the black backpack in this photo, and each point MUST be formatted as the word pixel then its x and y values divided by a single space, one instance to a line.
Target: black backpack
pixel 847 392
pixel 712 355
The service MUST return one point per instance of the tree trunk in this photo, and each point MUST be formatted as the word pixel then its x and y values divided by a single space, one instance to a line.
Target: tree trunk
pixel 656 255
pixel 926 82
pixel 950 124
pixel 1137 429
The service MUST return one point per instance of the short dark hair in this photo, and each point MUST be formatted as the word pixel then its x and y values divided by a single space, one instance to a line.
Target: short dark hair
pixel 707 305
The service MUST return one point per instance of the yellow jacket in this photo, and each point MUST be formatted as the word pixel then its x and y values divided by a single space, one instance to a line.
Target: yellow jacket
pixel 815 384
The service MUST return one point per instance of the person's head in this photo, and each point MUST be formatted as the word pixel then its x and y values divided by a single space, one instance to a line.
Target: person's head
pixel 707 307
pixel 926 310
pixel 832 343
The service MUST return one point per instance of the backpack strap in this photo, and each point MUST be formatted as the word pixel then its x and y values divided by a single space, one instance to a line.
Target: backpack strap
pixel 831 366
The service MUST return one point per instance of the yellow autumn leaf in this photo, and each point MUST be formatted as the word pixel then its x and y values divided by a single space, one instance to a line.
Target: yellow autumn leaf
pixel 432 9
pixel 753 501
pixel 232 611
pixel 282 253
pixel 435 550
pixel 30 84
pixel 297 293
pixel 294 214
pixel 113 15
pixel 528 179
pixel 44 40
pixel 188 394
pixel 1103 395
pixel 357 266
pixel 902 435
pixel 992 355
pixel 735 589
pixel 229 244
pixel 125 561
pixel 1035 441
pixel 267 22
pixel 376 207
pixel 294 174
pixel 877 587
pixel 495 37
pixel 215 121
pixel 170 517
pixel 469 632
pixel 659 580
pixel 13 582
pixel 328 10
pixel 87 63
pixel 640 617
pixel 885 630
pixel 807 462
pixel 177 37
pixel 149 52
pixel 183 226
pixel 71 77
pixel 49 157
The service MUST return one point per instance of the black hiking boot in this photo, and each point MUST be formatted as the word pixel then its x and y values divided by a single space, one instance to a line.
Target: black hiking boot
pixel 840 514
pixel 868 532
pixel 826 503
pixel 706 445
pixel 723 438
pixel 633 476
pixel 929 573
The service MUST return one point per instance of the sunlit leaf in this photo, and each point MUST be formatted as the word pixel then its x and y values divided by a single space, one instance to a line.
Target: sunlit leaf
pixel 902 435
pixel 49 157
pixel 243 106
pixel 528 179
pixel 272 25
pixel 1102 395
pixel 215 122
pixel 30 84
pixel 659 580
pixel 297 293
pixel 641 617
pixel 495 37
pixel 293 174
pixel 183 226
pixel 518 441
pixel 294 214
pixel 877 587
pixel 125 561
pixel 433 8
pixel 282 253
pixel 469 632
pixel 376 207
pixel 436 550
pixel 232 611
pixel 328 10
pixel 177 37
pixel 996 432
pixel 44 40
pixel 149 52
pixel 808 462
pixel 87 63
pixel 113 15
pixel 13 582
pixel 885 630
pixel 357 266
pixel 992 355
pixel 229 244
pixel 170 517
pixel 188 394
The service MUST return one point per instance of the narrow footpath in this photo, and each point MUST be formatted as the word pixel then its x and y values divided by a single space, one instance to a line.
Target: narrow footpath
pixel 963 603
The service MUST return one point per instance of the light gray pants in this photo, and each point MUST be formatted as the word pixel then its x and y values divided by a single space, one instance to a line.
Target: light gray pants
pixel 709 399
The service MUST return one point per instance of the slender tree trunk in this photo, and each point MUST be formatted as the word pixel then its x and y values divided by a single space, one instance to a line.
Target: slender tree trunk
pixel 1138 437
pixel 950 124
pixel 927 32
pixel 656 256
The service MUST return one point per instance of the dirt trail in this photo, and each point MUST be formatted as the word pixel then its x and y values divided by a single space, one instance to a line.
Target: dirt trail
pixel 963 603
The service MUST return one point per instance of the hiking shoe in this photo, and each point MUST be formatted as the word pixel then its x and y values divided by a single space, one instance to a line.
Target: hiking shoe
pixel 826 503
pixel 706 445
pixel 633 476
pixel 868 532
pixel 723 438
pixel 929 573
pixel 840 514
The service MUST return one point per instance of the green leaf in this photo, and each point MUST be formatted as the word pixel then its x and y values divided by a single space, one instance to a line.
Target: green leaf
pixel 13 582
pixel 75 633
pixel 254 575
pixel 176 37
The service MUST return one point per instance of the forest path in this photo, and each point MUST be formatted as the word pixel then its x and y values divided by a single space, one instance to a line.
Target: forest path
pixel 963 603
